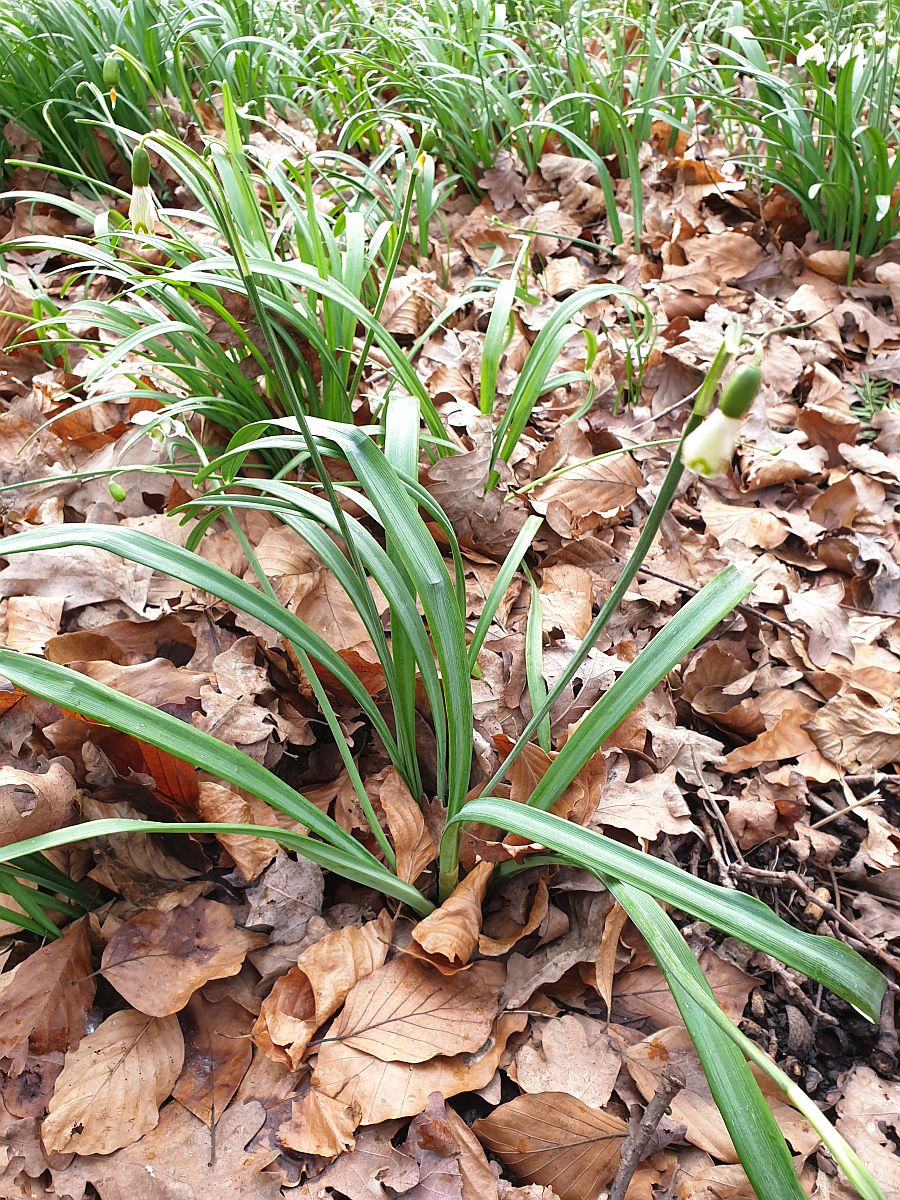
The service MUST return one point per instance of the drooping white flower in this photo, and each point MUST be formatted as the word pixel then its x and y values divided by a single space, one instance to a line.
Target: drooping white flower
pixel 142 209
pixel 814 53
pixel 159 426
pixel 852 50
pixel 708 450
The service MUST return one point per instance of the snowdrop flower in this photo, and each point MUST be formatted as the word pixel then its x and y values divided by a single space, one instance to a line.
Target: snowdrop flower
pixel 709 449
pixel 142 209
pixel 160 428
pixel 814 53
pixel 856 50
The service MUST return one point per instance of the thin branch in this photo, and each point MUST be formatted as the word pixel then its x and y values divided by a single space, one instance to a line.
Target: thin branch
pixel 671 1081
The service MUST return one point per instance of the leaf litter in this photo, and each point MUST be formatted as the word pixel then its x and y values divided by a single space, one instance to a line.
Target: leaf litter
pixel 228 1020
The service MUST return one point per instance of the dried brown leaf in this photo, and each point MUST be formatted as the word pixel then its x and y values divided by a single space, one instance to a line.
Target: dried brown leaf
pixel 557 1141
pixel 113 1083
pixel 157 960
pixel 32 803
pixel 43 1000
pixel 447 937
pixel 383 1090
pixel 413 843
pixel 406 1011
pixel 314 990
pixel 217 1053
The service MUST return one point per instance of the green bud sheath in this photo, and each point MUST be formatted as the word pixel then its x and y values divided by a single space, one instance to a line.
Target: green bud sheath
pixel 741 389
pixel 140 167
pixel 111 70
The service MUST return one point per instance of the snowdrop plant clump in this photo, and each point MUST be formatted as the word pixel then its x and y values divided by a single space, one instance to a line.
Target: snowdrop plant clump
pixel 822 128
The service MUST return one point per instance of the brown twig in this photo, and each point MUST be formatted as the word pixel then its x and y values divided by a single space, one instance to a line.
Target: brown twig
pixel 671 1081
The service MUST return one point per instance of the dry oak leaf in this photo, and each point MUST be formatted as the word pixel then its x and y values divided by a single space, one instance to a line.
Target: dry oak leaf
pixel 172 1162
pixel 43 1000
pixel 32 804
pixel 318 1125
pixel 647 807
pixel 555 1140
pixel 431 1144
pixel 413 843
pixel 312 991
pixel 382 1091
pixel 364 1172
pixel 447 938
pixel 157 960
pixel 829 628
pixel 113 1083
pixel 31 621
pixel 406 1011
pixel 855 735
pixel 285 898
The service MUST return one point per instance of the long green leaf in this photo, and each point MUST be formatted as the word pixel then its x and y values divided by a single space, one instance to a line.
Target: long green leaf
pixel 824 959
pixel 101 703
pixel 679 635
pixel 748 1118
pixel 160 555
pixel 334 858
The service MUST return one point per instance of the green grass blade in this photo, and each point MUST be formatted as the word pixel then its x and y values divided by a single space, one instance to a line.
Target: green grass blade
pixel 679 635
pixel 759 1143
pixel 101 703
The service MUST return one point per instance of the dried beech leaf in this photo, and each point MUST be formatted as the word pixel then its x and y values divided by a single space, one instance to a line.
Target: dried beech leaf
pixel 32 803
pixel 557 1141
pixel 308 994
pixel 43 1000
pixel 157 960
pixel 113 1083
pixel 413 843
pixel 409 1012
pixel 382 1090
pixel 318 1125
pixel 217 1053
pixel 448 936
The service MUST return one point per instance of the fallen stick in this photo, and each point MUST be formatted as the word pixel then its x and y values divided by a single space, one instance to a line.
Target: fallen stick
pixel 671 1081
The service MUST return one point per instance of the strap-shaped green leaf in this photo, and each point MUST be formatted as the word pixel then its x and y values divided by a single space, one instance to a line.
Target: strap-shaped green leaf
pixel 334 858
pixel 824 959
pixel 160 555
pixel 101 703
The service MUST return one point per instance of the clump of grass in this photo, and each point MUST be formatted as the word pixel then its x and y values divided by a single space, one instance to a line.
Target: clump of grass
pixel 873 396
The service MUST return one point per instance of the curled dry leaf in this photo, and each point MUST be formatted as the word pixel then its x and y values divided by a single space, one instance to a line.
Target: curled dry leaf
pixel 589 495
pixel 413 843
pixel 409 1012
pixel 32 804
pixel 384 1090
pixel 448 937
pixel 505 931
pixel 308 994
pixel 113 1083
pixel 230 807
pixel 217 1053
pixel 157 960
pixel 318 1125
pixel 555 1140
pixel 43 1000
